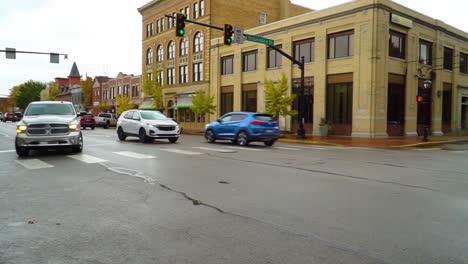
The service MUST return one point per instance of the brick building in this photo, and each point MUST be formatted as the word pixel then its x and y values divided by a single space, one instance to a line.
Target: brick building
pixel 365 63
pixel 70 86
pixel 183 64
pixel 105 91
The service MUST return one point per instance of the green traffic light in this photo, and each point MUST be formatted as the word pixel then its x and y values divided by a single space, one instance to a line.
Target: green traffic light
pixel 181 32
pixel 229 40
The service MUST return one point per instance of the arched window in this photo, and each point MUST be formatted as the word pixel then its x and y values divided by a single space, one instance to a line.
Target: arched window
pixel 171 50
pixel 149 56
pixel 198 47
pixel 184 47
pixel 160 53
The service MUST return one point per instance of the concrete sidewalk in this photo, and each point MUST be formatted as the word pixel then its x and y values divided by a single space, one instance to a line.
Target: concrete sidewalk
pixel 392 142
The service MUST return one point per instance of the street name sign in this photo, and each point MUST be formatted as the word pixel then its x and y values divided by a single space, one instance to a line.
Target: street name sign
pixel 258 39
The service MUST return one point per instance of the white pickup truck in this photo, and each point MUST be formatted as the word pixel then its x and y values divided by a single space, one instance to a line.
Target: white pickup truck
pixel 106 120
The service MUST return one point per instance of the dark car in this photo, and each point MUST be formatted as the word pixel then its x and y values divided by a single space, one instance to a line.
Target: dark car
pixel 13 117
pixel 87 120
pixel 243 128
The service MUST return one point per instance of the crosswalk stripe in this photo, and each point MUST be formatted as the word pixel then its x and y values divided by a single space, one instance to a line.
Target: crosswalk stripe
pixel 216 150
pixel 134 155
pixel 245 148
pixel 34 164
pixel 87 158
pixel 301 147
pixel 286 148
pixel 180 151
pixel 7 151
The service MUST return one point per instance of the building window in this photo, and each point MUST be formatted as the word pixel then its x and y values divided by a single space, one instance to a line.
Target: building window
pixel 202 7
pixel 227 65
pixel 183 70
pixel 195 10
pixel 149 30
pixel 183 47
pixel 170 76
pixel 425 52
pixel 198 72
pixel 249 61
pixel 227 101
pixel 198 47
pixel 397 45
pixel 448 59
pixel 158 26
pixel 149 56
pixel 249 98
pixel 274 59
pixel 341 44
pixel 162 24
pixel 187 12
pixel 160 53
pixel 171 50
pixel 160 77
pixel 170 22
pixel 463 63
pixel 304 48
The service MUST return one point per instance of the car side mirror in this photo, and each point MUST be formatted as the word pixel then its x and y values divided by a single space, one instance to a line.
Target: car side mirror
pixel 219 120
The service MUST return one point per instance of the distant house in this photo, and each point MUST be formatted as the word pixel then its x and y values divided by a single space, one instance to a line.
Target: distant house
pixel 70 88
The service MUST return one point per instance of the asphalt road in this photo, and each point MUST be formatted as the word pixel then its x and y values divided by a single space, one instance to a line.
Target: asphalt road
pixel 194 202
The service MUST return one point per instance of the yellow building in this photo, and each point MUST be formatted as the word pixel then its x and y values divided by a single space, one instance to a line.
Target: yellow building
pixel 183 64
pixel 366 61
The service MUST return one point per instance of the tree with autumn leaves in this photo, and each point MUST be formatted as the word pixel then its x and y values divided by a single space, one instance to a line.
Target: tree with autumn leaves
pixel 151 87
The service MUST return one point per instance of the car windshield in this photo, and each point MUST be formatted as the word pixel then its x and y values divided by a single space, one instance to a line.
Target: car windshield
pixel 264 117
pixel 153 116
pixel 50 109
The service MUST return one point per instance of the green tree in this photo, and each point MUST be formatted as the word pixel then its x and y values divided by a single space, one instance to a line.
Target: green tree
pixel 53 91
pixel 276 100
pixel 151 87
pixel 87 91
pixel 147 85
pixel 157 94
pixel 13 92
pixel 202 104
pixel 29 92
pixel 124 103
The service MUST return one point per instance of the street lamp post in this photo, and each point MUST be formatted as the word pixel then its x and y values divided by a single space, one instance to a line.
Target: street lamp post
pixel 427 86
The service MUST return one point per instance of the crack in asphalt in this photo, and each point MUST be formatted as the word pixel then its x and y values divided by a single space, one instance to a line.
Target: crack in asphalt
pixel 327 172
pixel 417 168
pixel 309 236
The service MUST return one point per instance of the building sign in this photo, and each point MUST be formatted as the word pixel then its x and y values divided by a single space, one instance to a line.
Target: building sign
pixel 403 21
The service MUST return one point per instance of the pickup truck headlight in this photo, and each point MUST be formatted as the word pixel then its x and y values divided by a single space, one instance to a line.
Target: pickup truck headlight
pixel 74 126
pixel 21 129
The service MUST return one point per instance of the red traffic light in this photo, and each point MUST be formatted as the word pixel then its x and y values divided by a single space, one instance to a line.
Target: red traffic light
pixel 419 98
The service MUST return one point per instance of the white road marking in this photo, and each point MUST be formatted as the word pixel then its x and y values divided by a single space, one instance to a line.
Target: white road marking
pixel 216 149
pixel 286 148
pixel 457 151
pixel 301 147
pixel 5 135
pixel 245 148
pixel 7 151
pixel 180 151
pixel 427 149
pixel 34 164
pixel 87 158
pixel 134 155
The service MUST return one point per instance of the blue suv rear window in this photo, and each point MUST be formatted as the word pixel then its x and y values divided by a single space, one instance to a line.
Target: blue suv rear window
pixel 263 117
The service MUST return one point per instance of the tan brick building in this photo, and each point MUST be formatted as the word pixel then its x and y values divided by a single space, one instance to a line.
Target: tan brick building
pixel 183 64
pixel 366 61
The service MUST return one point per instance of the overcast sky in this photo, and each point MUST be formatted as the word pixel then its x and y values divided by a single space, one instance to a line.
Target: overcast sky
pixel 104 36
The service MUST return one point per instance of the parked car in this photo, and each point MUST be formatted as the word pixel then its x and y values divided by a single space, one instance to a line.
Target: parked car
pixel 87 120
pixel 13 117
pixel 48 125
pixel 106 120
pixel 243 128
pixel 147 126
pixel 1 116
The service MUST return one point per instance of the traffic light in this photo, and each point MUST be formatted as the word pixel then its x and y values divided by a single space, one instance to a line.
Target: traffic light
pixel 228 34
pixel 180 25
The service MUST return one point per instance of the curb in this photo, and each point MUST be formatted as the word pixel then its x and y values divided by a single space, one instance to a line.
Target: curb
pixel 427 144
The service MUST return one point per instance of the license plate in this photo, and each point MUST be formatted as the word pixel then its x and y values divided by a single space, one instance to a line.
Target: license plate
pixel 268 131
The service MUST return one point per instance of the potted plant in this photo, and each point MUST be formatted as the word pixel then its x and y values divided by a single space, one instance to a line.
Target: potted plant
pixel 324 126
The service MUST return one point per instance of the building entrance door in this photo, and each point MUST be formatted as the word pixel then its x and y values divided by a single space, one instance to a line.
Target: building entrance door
pixel 396 106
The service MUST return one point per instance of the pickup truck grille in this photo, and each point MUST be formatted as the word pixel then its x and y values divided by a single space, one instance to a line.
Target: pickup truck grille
pixel 47 129
pixel 166 128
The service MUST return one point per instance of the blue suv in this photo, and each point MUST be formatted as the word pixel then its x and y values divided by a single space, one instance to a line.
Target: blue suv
pixel 242 128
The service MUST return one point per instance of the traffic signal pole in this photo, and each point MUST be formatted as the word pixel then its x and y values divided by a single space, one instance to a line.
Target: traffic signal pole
pixel 300 64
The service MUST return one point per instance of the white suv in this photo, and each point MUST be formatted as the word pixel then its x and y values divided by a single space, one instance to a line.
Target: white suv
pixel 147 126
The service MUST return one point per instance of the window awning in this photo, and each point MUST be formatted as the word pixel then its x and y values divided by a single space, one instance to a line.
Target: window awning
pixel 146 107
pixel 176 106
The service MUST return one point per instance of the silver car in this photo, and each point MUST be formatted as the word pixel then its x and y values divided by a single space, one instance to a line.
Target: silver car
pixel 48 125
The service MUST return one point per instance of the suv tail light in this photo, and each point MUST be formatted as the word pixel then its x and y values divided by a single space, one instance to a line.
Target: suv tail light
pixel 257 122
